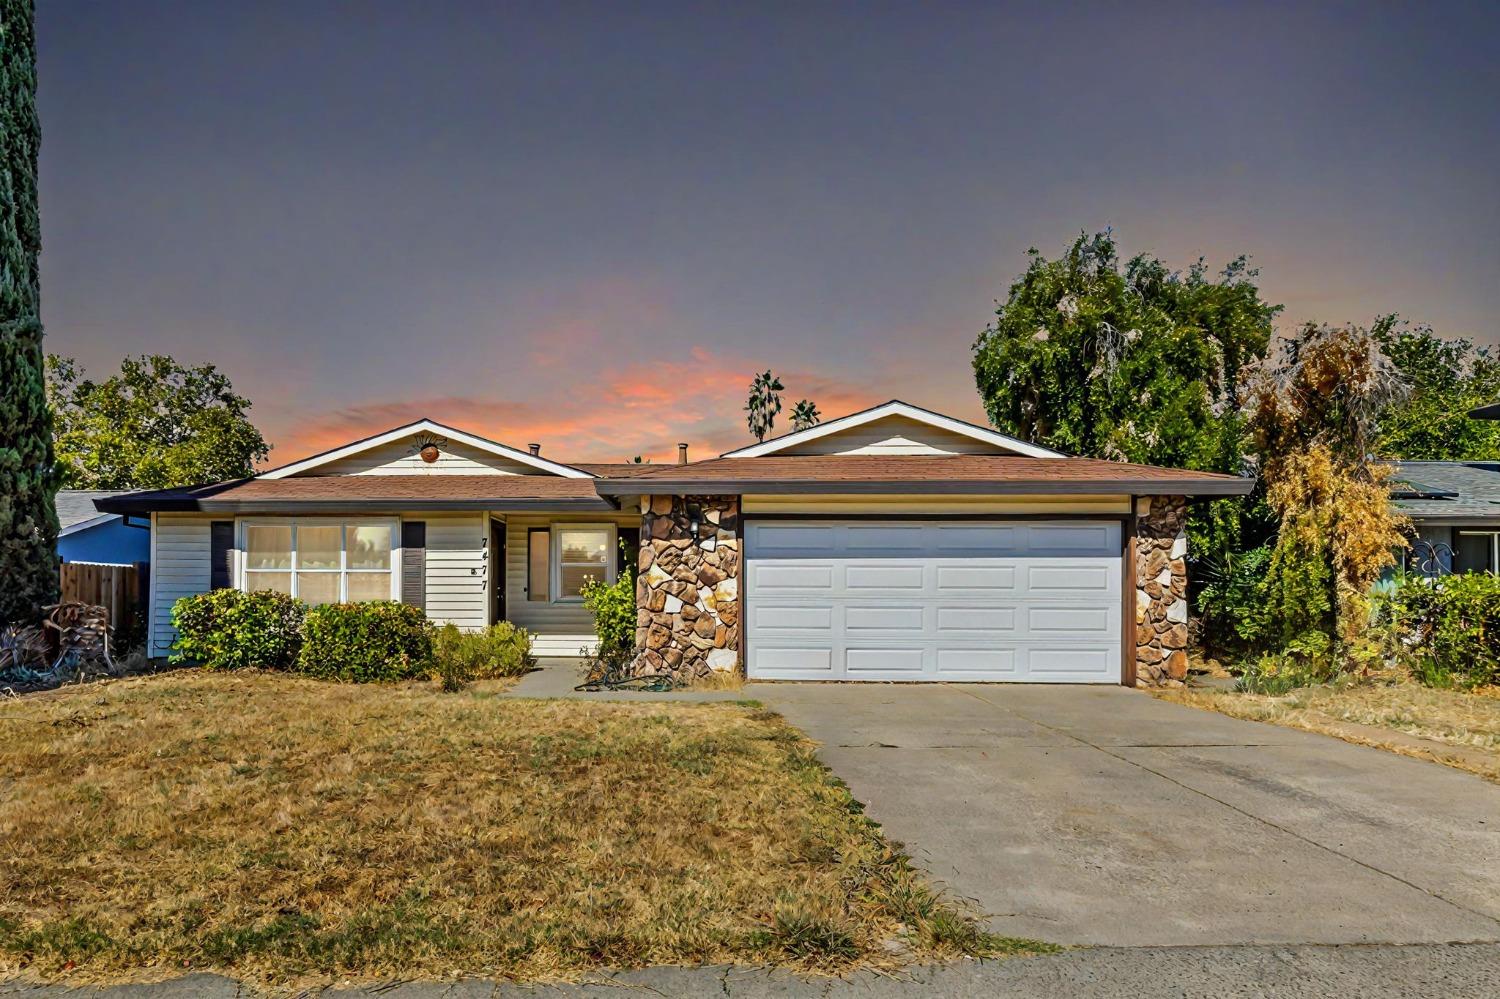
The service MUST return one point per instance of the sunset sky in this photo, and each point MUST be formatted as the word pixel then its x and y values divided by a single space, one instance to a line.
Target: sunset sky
pixel 590 224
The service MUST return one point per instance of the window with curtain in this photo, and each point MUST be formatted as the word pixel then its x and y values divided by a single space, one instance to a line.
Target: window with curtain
pixel 582 553
pixel 322 562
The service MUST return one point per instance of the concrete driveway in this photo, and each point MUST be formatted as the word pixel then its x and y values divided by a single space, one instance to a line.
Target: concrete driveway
pixel 1100 815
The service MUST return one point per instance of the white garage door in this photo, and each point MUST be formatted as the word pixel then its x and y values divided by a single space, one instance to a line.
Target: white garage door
pixel 958 601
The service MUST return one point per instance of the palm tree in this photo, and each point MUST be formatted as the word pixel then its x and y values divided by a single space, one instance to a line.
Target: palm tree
pixel 763 404
pixel 805 415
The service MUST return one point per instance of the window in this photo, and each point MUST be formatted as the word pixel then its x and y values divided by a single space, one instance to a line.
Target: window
pixel 539 564
pixel 1476 551
pixel 581 552
pixel 320 561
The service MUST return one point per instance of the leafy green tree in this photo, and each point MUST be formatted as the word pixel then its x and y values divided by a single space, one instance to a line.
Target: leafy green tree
pixel 1131 362
pixel 805 415
pixel 1444 380
pixel 763 404
pixel 28 520
pixel 155 425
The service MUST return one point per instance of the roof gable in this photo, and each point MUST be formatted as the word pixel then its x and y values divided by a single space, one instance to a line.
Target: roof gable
pixel 895 428
pixel 395 453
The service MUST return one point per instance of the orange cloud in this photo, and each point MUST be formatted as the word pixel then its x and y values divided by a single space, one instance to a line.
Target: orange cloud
pixel 642 408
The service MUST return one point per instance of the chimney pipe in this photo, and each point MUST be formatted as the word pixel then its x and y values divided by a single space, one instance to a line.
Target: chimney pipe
pixel 682 454
pixel 535 448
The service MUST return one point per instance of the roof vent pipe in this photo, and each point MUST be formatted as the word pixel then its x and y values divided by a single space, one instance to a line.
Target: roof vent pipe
pixel 682 454
pixel 536 449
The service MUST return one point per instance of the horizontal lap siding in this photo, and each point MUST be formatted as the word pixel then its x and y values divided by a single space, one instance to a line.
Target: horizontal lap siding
pixel 457 583
pixel 397 459
pixel 180 568
pixel 543 619
pixel 895 435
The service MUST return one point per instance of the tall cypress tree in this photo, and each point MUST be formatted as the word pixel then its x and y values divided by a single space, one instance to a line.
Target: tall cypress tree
pixel 28 518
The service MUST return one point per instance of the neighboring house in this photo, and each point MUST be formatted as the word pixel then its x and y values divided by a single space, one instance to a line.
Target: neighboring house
pixel 891 544
pixel 1454 508
pixel 86 535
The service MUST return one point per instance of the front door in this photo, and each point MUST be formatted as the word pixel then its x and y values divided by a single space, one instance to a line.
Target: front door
pixel 497 571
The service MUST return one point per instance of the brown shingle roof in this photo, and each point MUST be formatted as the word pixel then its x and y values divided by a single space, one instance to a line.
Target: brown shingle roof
pixel 615 469
pixel 966 473
pixel 338 493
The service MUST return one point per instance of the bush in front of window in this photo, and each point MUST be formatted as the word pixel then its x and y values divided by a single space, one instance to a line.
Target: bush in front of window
pixel 461 656
pixel 365 642
pixel 1446 631
pixel 228 629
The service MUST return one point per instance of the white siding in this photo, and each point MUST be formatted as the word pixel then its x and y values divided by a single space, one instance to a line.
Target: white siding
pixel 559 628
pixel 179 568
pixel 895 435
pixel 397 458
pixel 457 569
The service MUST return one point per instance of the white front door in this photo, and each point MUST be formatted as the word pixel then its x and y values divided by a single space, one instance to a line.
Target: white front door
pixel 958 601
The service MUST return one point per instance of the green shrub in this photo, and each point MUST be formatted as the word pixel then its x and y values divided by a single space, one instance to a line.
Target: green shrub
pixel 1232 603
pixel 228 629
pixel 1284 672
pixel 1446 631
pixel 365 642
pixel 461 656
pixel 613 607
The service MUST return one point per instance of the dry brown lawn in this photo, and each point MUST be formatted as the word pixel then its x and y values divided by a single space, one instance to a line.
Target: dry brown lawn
pixel 294 831
pixel 1454 727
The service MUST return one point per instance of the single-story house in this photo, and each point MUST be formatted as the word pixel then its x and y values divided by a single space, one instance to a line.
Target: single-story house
pixel 891 544
pixel 1454 507
pixel 86 535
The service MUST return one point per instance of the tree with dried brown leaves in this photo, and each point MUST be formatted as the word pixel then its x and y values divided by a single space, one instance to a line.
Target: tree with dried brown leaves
pixel 1313 414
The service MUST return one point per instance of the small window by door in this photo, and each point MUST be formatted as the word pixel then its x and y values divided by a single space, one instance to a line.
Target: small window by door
pixel 539 564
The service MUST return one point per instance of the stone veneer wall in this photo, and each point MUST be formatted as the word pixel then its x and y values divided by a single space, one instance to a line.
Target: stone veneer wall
pixel 1161 609
pixel 687 591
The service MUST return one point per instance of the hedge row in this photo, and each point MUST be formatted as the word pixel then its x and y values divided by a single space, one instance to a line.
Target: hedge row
pixel 354 643
pixel 1447 629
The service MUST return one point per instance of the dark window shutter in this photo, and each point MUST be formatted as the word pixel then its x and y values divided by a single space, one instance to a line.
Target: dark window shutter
pixel 221 554
pixel 414 563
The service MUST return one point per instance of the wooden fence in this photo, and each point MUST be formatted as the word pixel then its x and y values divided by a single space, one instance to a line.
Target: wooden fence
pixel 121 588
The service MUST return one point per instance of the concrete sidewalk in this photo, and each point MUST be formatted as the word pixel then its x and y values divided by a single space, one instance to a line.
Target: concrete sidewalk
pixel 1101 973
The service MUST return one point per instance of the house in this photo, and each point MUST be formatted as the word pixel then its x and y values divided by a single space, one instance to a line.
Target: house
pixel 86 535
pixel 1454 507
pixel 891 544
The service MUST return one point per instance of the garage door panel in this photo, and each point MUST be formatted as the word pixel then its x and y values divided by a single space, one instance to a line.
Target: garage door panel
pixel 800 660
pixel 881 538
pixel 862 619
pixel 1088 621
pixel 978 621
pixel 977 539
pixel 791 617
pixel 884 661
pixel 975 662
pixel 973 578
pixel 1074 579
pixel 976 601
pixel 906 575
pixel 1093 539
pixel 801 539
pixel 1072 661
pixel 769 577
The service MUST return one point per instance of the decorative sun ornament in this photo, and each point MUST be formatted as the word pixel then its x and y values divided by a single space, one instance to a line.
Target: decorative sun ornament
pixel 427 447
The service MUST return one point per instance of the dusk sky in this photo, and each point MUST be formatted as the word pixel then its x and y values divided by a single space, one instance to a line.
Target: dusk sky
pixel 590 224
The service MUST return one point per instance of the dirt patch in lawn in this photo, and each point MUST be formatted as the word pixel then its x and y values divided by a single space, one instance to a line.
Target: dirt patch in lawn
pixel 292 831
pixel 1453 727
